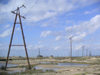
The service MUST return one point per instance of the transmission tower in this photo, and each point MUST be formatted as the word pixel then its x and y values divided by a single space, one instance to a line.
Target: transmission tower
pixel 17 13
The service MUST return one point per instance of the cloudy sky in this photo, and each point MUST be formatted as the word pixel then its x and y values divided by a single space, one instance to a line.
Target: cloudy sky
pixel 49 24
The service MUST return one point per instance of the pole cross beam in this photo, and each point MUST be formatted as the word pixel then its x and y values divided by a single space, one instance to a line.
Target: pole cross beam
pixel 20 22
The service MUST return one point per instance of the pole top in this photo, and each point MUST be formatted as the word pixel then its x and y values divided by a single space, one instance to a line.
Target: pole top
pixel 17 11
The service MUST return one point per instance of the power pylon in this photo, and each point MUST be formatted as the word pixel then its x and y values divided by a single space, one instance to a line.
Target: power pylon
pixel 17 13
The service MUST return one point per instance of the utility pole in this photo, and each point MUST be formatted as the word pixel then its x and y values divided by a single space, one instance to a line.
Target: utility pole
pixel 17 13
pixel 87 52
pixel 90 54
pixel 83 50
pixel 39 51
pixel 71 47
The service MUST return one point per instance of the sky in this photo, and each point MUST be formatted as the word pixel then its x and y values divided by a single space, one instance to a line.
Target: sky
pixel 49 24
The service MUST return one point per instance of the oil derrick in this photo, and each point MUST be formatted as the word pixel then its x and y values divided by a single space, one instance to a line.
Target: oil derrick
pixel 39 54
pixel 17 13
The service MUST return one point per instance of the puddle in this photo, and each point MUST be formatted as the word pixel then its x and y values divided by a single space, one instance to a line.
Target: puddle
pixel 47 62
pixel 71 64
pixel 45 69
pixel 12 66
pixel 59 64
pixel 9 65
pixel 15 71
pixel 42 68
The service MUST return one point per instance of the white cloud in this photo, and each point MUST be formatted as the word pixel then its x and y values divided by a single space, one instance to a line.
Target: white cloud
pixel 79 32
pixel 38 18
pixel 5 33
pixel 44 25
pixel 58 38
pixel 45 33
pixel 78 47
pixel 41 46
pixel 0 44
pixel 85 28
pixel 92 11
pixel 41 9
pixel 44 9
pixel 57 48
pixel 7 26
pixel 30 47
pixel 52 22
pixel 79 36
pixel 87 12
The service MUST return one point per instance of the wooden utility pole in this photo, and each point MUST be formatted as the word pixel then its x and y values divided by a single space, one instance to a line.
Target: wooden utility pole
pixel 17 13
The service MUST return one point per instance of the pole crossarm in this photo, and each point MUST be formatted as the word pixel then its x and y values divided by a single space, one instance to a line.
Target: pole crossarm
pixel 18 14
pixel 18 10
pixel 17 45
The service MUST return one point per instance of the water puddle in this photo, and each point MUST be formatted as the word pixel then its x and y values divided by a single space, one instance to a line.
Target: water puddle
pixel 9 65
pixel 12 66
pixel 46 62
pixel 45 69
pixel 17 71
pixel 58 64
pixel 71 64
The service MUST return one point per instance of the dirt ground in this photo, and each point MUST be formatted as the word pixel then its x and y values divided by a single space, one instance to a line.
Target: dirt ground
pixel 92 69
